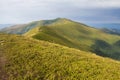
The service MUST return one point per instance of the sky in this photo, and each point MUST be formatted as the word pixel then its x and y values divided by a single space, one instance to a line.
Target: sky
pixel 86 11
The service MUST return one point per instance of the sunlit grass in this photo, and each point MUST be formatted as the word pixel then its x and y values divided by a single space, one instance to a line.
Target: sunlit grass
pixel 29 59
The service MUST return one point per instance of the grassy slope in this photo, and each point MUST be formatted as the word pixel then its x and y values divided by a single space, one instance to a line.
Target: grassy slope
pixel 28 59
pixel 78 36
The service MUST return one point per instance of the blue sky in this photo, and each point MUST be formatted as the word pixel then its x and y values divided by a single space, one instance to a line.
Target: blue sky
pixel 86 11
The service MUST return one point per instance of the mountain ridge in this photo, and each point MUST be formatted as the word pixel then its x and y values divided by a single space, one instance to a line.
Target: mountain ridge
pixel 23 28
pixel 75 35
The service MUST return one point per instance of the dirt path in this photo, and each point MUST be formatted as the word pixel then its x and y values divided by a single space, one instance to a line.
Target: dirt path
pixel 3 75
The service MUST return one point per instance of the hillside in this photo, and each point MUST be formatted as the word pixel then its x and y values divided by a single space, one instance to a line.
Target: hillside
pixel 28 59
pixel 76 35
pixel 72 34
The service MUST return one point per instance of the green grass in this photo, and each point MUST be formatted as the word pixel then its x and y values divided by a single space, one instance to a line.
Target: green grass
pixel 79 36
pixel 29 59
pixel 72 34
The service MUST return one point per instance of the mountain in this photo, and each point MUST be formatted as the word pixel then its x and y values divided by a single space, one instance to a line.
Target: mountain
pixel 79 36
pixel 112 28
pixel 5 25
pixel 18 29
pixel 23 58
pixel 73 34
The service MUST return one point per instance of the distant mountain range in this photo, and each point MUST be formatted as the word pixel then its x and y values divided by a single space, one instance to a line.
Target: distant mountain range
pixel 5 25
pixel 113 28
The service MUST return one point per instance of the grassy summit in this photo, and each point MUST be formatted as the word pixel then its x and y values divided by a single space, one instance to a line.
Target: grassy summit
pixel 29 59
pixel 77 35
pixel 72 34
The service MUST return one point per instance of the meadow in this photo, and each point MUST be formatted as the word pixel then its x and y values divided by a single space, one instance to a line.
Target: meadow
pixel 30 59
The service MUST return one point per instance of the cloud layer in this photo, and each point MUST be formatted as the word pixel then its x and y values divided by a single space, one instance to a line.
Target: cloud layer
pixel 22 11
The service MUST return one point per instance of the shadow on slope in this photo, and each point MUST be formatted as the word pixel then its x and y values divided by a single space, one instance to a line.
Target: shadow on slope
pixel 104 49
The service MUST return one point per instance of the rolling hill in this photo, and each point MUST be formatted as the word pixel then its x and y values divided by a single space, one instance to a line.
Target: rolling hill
pixel 24 58
pixel 72 34
pixel 76 35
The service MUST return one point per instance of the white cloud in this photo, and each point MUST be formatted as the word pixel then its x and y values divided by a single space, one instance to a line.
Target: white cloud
pixel 14 11
pixel 96 3
pixel 77 3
